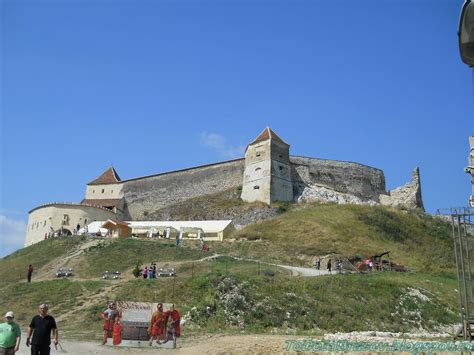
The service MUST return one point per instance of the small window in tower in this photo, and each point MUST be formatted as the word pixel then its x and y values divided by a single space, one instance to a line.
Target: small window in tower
pixel 111 191
pixel 280 167
pixel 257 154
pixel 257 169
pixel 103 190
pixel 281 156
pixel 93 191
pixel 256 187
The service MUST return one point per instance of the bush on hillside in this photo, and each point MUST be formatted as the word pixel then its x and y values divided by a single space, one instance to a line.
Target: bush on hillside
pixel 137 270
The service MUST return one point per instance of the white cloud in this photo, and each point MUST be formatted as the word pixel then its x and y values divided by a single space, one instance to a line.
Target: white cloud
pixel 220 144
pixel 12 235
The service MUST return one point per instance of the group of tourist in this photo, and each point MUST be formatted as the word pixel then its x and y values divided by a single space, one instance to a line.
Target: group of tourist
pixel 58 233
pixel 149 272
pixel 39 333
pixel 329 265
pixel 164 327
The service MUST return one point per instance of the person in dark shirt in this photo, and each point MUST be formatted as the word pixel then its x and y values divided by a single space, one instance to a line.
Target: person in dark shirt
pixel 41 326
pixel 30 272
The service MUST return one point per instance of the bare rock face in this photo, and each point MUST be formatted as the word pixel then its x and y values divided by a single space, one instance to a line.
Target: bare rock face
pixel 406 196
pixel 322 194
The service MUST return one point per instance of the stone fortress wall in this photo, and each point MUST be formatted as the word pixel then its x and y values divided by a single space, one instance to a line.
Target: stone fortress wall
pixel 49 218
pixel 312 180
pixel 147 194
pixel 356 179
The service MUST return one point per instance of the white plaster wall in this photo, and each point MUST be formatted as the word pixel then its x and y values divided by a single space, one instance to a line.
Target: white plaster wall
pixel 106 191
pixel 50 218
pixel 257 173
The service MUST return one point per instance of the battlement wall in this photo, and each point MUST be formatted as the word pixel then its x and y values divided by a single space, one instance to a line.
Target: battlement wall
pixel 357 179
pixel 147 194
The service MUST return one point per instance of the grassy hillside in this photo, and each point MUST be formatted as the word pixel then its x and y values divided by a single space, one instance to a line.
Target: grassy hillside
pixel 230 295
pixel 414 239
pixel 14 266
pixel 256 303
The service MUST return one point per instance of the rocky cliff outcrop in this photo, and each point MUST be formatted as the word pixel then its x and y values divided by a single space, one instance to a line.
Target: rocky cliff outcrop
pixel 322 194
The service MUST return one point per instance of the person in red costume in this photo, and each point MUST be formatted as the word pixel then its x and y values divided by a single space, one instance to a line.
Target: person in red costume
pixel 173 320
pixel 109 316
pixel 157 324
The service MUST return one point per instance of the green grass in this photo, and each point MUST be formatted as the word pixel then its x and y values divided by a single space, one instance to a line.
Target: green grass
pixel 124 254
pixel 14 266
pixel 61 295
pixel 260 304
pixel 416 240
pixel 228 295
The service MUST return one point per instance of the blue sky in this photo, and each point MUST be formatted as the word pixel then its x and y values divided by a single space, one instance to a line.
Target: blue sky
pixel 153 86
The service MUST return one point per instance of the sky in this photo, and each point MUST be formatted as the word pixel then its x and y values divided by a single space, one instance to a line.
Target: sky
pixel 154 86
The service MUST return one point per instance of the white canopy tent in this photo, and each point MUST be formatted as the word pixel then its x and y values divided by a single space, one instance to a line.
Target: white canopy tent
pixel 209 230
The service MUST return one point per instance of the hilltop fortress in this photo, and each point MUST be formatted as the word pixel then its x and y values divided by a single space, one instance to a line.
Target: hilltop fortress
pixel 267 174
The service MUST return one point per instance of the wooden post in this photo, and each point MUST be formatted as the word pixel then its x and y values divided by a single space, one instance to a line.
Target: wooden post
pixel 174 280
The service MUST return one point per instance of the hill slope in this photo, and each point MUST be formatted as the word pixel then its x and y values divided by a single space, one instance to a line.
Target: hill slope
pixel 414 239
pixel 231 295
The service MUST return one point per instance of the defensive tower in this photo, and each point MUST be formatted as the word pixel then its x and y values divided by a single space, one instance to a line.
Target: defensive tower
pixel 267 174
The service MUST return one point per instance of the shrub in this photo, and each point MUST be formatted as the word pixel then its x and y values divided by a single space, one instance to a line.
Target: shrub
pixel 269 273
pixel 137 270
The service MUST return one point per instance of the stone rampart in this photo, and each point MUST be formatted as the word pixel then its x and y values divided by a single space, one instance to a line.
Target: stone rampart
pixel 146 194
pixel 406 196
pixel 359 180
pixel 49 218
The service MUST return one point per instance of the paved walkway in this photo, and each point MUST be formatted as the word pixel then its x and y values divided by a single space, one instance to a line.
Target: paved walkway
pixel 295 270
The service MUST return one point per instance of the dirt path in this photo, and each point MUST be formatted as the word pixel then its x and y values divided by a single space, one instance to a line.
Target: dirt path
pixel 254 343
pixel 202 344
pixel 48 271
pixel 295 270
pixel 90 299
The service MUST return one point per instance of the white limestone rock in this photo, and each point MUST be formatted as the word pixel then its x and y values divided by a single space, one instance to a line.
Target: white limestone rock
pixel 314 193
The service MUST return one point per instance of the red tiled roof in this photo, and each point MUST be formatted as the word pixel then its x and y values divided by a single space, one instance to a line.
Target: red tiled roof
pixel 268 134
pixel 106 202
pixel 109 176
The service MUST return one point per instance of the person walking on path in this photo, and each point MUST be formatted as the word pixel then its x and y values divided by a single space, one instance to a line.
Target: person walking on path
pixel 10 335
pixel 318 263
pixel 41 327
pixel 30 272
pixel 329 266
